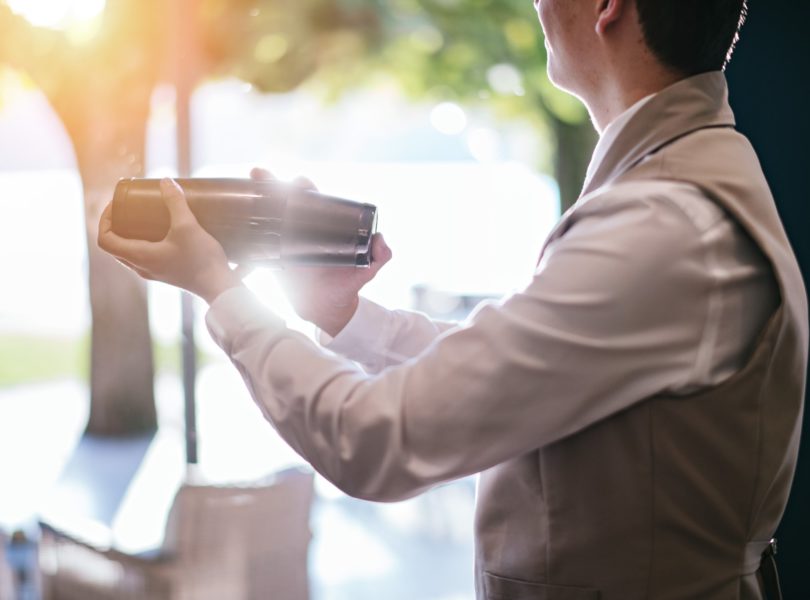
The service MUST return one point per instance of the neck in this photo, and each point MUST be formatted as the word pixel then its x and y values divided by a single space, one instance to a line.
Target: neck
pixel 614 95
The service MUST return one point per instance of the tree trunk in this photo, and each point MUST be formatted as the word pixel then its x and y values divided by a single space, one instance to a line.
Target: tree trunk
pixel 575 144
pixel 121 365
pixel 101 89
pixel 122 397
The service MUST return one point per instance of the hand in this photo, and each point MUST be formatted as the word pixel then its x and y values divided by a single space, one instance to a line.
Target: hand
pixel 188 257
pixel 328 296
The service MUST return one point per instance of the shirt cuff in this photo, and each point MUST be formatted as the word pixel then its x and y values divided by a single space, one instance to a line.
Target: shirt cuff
pixel 364 338
pixel 235 311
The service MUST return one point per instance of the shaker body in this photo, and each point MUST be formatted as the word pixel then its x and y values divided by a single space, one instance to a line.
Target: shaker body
pixel 259 222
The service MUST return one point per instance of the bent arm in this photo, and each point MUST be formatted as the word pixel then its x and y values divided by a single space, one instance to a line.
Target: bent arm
pixel 599 328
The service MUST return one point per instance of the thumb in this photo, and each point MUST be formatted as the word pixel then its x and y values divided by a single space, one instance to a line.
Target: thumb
pixel 175 201
pixel 260 174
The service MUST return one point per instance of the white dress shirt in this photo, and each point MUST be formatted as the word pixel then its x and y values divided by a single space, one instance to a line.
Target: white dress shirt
pixel 658 291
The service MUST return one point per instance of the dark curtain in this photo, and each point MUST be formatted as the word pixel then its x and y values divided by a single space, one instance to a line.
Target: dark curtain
pixel 770 93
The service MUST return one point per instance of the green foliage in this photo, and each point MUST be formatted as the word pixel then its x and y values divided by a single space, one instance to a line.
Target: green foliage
pixel 484 51
pixel 472 51
pixel 278 44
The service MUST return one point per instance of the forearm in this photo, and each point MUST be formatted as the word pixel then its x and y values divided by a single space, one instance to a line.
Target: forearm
pixel 384 437
pixel 306 393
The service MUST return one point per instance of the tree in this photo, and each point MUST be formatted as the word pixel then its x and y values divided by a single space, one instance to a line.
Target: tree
pixel 491 53
pixel 100 88
pixel 494 52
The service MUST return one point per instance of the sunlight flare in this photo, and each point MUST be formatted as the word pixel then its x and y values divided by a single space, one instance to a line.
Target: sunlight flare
pixel 58 14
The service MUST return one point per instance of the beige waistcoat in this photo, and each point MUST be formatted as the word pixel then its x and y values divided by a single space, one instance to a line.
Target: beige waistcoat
pixel 677 497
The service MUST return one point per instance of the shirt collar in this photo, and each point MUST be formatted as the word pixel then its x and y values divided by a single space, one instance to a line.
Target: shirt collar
pixel 611 132
pixel 688 105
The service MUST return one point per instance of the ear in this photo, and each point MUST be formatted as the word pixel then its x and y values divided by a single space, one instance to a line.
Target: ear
pixel 608 13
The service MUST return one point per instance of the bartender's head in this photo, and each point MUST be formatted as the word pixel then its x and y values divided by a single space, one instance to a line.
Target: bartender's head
pixel 591 40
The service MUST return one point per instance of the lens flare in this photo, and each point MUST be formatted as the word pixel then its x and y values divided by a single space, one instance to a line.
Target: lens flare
pixel 57 14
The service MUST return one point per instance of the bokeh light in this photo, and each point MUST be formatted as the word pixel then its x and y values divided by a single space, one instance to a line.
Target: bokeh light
pixel 449 118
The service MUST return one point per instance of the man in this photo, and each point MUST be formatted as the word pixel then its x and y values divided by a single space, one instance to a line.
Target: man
pixel 634 410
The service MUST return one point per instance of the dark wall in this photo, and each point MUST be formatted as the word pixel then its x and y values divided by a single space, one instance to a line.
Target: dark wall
pixel 770 92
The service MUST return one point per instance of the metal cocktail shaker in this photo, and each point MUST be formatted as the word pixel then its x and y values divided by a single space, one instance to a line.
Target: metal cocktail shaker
pixel 261 222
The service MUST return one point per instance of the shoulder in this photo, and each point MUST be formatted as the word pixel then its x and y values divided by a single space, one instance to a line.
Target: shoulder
pixel 674 205
pixel 636 232
pixel 647 222
pixel 647 241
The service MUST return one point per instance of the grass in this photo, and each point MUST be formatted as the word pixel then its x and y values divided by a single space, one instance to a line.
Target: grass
pixel 30 359
pixel 34 359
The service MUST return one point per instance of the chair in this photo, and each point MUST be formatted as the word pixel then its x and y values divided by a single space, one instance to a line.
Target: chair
pixel 246 541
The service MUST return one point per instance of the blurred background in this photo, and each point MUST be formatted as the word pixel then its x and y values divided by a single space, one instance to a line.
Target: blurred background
pixel 110 486
pixel 437 111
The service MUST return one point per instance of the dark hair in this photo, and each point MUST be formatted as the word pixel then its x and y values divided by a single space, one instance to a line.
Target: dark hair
pixel 692 36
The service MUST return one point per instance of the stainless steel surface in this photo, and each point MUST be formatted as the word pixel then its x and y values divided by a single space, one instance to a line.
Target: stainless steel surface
pixel 260 222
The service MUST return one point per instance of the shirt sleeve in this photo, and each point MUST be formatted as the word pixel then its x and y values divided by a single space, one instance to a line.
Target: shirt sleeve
pixel 378 338
pixel 613 315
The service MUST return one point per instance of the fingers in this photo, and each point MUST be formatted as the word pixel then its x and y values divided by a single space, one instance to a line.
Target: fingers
pixel 140 272
pixel 105 222
pixel 176 203
pixel 135 251
pixel 261 174
pixel 115 244
pixel 304 183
